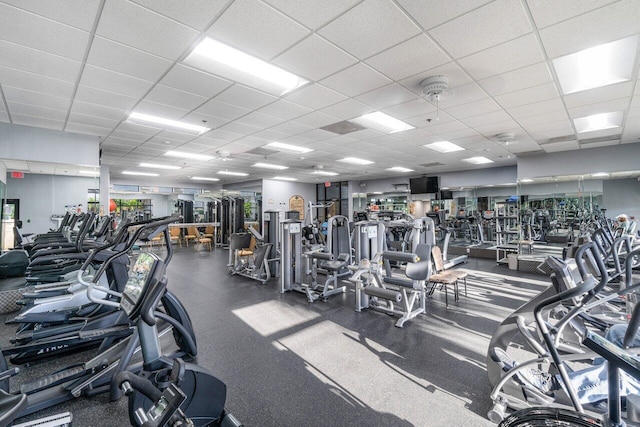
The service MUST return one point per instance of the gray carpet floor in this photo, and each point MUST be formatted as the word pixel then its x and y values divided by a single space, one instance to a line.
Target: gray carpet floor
pixel 290 363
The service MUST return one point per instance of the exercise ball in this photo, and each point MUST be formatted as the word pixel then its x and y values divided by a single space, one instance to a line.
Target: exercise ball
pixel 112 205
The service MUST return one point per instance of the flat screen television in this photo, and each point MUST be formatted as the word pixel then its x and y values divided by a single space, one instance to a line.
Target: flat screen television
pixel 424 185
pixel 446 195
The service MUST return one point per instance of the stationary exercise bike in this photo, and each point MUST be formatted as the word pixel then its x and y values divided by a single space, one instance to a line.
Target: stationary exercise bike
pixel 205 394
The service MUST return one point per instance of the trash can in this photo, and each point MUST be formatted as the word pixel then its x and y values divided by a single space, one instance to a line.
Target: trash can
pixel 512 260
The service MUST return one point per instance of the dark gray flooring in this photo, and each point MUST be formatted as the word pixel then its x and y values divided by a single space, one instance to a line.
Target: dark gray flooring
pixel 290 363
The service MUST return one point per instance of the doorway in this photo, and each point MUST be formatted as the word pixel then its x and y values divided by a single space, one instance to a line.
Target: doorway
pixel 10 217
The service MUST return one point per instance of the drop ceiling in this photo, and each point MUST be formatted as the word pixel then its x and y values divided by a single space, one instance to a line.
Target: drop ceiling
pixel 83 66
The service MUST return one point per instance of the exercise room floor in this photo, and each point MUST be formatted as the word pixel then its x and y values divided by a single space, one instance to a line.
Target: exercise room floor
pixel 290 363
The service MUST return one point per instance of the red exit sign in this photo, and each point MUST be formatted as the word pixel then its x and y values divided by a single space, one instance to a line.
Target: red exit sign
pixel 17 174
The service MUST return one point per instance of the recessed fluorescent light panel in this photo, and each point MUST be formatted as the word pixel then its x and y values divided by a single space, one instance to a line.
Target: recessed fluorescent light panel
pixel 599 174
pixel 157 166
pixel 443 147
pixel 185 155
pixel 269 166
pixel 598 66
pixel 382 122
pixel 477 160
pixel 356 161
pixel 285 178
pixel 598 122
pixel 218 58
pixel 139 173
pixel 204 178
pixel 233 173
pixel 399 169
pixel 289 147
pixel 146 118
pixel 92 173
pixel 526 180
pixel 325 173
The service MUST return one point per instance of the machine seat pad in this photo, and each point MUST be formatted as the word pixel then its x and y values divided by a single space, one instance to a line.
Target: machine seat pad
pixel 398 282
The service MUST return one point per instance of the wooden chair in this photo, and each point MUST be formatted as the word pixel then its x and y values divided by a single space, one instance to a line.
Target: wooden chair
pixel 174 233
pixel 443 277
pixel 205 241
pixel 208 231
pixel 192 234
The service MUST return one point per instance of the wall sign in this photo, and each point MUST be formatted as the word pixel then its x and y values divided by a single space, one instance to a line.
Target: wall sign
pixel 296 203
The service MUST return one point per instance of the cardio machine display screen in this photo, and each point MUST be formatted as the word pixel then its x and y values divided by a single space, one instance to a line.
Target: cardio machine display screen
pixel 138 277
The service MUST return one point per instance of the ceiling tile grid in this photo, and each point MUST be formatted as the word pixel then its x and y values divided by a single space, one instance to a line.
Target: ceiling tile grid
pixel 360 56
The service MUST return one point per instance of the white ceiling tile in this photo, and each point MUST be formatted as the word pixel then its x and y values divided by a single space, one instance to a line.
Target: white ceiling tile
pixel 356 80
pixel 316 135
pixel 93 121
pixel 410 109
pixel 456 75
pixel 36 111
pixel 35 82
pixel 16 164
pixel 200 119
pixel 463 95
pixel 348 109
pixel 108 99
pixel 316 119
pixel 194 81
pixel 505 57
pixel 100 78
pixel 560 146
pixel 600 107
pixel 95 110
pixel 370 134
pixel 135 26
pixel 223 110
pixel 129 136
pixel 536 108
pixel 284 109
pixel 270 135
pixel 428 120
pixel 291 128
pixel 175 98
pixel 160 110
pixel 548 130
pixel 481 28
pixel 314 58
pixel 439 129
pixel 76 13
pixel 593 96
pixel 260 120
pixel 245 97
pixel 39 122
pixel 528 96
pixel 224 135
pixel 413 135
pixel 487 118
pixel 241 129
pixel 532 75
pixel 430 13
pixel 43 34
pixel 490 129
pixel 600 26
pixel 194 13
pixel 126 60
pixel 548 13
pixel 87 129
pixel 315 96
pixel 168 135
pixel 409 58
pixel 308 14
pixel 387 96
pixel 370 27
pixel 554 116
pixel 257 29
pixel 34 61
pixel 35 98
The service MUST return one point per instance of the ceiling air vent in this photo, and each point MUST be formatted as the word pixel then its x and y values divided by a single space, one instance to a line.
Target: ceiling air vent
pixel 260 151
pixel 343 127
pixel 430 165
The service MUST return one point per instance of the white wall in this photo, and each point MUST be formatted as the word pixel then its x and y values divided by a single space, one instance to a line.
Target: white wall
pixel 276 194
pixel 3 173
pixel 44 195
pixel 621 196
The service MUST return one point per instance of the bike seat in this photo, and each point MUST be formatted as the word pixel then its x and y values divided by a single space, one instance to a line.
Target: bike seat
pixel 10 406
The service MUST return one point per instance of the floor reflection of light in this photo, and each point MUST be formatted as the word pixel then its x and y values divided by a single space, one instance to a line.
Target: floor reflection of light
pixel 353 366
pixel 270 317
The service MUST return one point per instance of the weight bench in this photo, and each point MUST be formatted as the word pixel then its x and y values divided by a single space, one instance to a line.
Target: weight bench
pixel 383 293
pixel 334 268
